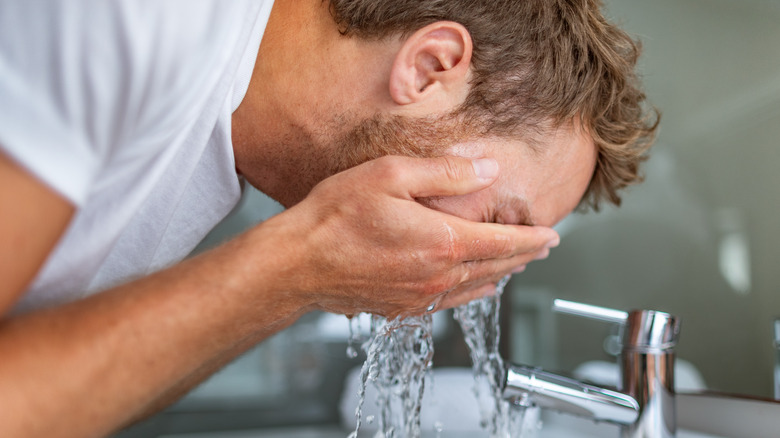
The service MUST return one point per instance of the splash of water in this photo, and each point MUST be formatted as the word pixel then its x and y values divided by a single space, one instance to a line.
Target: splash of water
pixel 479 321
pixel 399 354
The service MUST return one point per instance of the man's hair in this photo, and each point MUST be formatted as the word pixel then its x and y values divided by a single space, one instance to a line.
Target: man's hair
pixel 537 64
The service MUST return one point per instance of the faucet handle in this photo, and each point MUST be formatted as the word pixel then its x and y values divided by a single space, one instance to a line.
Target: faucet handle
pixel 646 329
pixel 589 311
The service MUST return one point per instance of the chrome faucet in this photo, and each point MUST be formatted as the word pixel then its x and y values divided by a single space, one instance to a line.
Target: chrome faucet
pixel 644 406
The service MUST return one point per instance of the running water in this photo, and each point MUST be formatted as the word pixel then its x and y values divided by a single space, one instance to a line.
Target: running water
pixel 479 321
pixel 399 354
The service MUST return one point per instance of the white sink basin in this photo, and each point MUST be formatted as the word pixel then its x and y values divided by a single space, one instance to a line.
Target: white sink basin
pixel 557 431
pixel 557 425
pixel 449 400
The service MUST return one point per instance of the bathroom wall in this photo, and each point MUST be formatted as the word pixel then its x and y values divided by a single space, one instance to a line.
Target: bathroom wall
pixel 700 237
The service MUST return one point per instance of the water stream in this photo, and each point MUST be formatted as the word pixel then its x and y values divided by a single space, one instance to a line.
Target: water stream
pixel 479 321
pixel 399 354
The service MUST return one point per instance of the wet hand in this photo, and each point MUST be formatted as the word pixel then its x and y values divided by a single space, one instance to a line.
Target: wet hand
pixel 362 243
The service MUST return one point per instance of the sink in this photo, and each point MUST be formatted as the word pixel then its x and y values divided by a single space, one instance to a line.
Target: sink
pixel 288 432
pixel 449 400
pixel 562 430
pixel 555 425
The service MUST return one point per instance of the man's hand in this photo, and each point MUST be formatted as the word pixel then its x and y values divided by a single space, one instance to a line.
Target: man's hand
pixel 359 243
pixel 362 243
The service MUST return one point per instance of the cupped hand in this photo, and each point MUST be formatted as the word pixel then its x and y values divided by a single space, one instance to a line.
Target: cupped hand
pixel 360 242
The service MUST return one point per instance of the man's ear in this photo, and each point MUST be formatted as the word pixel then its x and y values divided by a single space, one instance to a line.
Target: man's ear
pixel 433 63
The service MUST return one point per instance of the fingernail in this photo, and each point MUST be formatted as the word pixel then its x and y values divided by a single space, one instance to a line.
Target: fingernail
pixel 553 243
pixel 518 269
pixel 486 169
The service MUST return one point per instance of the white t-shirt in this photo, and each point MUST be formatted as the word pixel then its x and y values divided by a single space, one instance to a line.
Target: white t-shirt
pixel 124 108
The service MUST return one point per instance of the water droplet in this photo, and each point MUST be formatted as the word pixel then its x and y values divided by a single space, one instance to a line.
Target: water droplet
pixel 355 336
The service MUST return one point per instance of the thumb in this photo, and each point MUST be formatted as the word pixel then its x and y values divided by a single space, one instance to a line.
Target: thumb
pixel 449 176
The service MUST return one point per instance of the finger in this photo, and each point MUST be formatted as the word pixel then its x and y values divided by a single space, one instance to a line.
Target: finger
pixel 481 241
pixel 460 298
pixel 442 176
pixel 469 275
pixel 477 272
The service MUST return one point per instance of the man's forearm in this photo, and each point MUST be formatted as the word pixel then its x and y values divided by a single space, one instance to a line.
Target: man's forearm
pixel 184 386
pixel 87 368
pixel 83 369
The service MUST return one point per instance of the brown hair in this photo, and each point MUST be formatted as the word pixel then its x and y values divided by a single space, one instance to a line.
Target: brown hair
pixel 536 62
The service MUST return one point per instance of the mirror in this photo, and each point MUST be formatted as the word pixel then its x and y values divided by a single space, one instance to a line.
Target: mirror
pixel 700 237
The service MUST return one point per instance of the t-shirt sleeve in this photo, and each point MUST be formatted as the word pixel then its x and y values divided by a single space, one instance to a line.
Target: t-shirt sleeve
pixel 43 96
pixel 85 81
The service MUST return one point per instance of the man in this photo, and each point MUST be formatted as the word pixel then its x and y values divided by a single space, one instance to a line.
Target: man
pixel 128 128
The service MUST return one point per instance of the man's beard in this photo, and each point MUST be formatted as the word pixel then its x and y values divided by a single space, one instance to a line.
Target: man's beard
pixel 379 136
pixel 338 149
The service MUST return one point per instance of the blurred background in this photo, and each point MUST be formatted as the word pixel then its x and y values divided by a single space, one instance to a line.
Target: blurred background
pixel 698 239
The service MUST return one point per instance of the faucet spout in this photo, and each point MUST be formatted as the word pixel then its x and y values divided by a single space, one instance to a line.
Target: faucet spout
pixel 646 406
pixel 531 386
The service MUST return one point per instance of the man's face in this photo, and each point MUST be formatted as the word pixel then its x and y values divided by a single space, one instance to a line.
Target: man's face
pixel 538 185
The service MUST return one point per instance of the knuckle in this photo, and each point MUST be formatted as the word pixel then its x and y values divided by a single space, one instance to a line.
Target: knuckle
pixel 503 246
pixel 486 270
pixel 452 169
pixel 440 284
pixel 390 168
pixel 451 250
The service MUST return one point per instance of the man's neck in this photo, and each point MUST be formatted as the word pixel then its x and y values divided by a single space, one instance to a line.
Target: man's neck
pixel 263 126
pixel 310 85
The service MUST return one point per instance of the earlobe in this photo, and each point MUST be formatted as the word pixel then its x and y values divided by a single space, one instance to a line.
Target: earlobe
pixel 433 62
